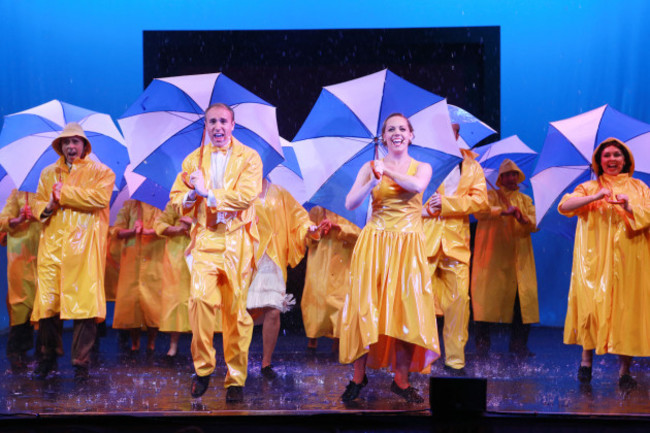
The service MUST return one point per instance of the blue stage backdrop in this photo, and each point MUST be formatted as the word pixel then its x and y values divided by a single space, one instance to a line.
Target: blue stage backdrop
pixel 558 59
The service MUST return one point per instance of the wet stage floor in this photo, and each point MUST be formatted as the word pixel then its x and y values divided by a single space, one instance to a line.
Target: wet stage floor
pixel 311 383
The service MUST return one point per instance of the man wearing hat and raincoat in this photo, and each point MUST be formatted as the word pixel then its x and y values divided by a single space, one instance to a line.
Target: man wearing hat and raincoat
pixel 446 228
pixel 225 178
pixel 504 283
pixel 72 202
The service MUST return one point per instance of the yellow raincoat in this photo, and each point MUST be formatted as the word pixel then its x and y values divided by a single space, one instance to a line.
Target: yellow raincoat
pixel 174 315
pixel 139 287
pixel 72 250
pixel 448 252
pixel 328 275
pixel 22 249
pixel 112 273
pixel 506 264
pixel 390 293
pixel 222 258
pixel 609 298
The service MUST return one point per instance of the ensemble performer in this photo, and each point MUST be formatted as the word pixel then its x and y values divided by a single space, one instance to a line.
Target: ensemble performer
pixel 174 316
pixel 23 231
pixel 504 281
pixel 386 317
pixel 327 275
pixel 138 298
pixel 283 226
pixel 225 178
pixel 446 227
pixel 609 300
pixel 72 202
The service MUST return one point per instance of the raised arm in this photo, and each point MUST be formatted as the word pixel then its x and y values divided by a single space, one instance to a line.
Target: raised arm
pixel 364 183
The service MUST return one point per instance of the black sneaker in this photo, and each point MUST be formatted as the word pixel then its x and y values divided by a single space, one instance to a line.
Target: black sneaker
pixel 234 394
pixel 409 394
pixel 199 385
pixel 584 374
pixel 42 370
pixel 626 382
pixel 80 374
pixel 268 373
pixel 353 389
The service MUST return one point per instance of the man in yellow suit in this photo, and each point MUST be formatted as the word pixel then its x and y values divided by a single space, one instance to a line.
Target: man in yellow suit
pixel 504 283
pixel 225 178
pixel 23 233
pixel 72 203
pixel 446 227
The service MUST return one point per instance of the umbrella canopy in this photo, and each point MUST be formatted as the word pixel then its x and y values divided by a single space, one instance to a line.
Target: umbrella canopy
pixel 288 174
pixel 472 130
pixel 166 123
pixel 145 190
pixel 6 186
pixel 492 155
pixel 340 133
pixel 565 159
pixel 26 141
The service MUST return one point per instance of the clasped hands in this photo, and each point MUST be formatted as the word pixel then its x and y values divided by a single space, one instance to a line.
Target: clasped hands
pixel 622 199
pixel 198 182
pixel 517 214
pixel 25 214
pixel 434 205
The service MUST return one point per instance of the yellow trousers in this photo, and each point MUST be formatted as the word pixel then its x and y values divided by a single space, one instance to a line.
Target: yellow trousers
pixel 450 280
pixel 210 291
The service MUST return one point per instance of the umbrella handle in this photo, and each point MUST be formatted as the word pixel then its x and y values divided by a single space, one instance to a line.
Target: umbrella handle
pixel 375 172
pixel 185 177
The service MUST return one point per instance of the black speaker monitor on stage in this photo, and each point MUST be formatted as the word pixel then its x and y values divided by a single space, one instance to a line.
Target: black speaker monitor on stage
pixel 450 396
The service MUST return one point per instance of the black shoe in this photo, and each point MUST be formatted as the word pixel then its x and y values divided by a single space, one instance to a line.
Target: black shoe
pixel 268 373
pixel 353 389
pixel 584 374
pixel 234 394
pixel 626 382
pixel 18 364
pixel 199 385
pixel 409 394
pixel 451 371
pixel 43 368
pixel 80 374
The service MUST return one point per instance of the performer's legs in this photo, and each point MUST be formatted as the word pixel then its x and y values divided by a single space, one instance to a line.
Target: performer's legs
pixel 21 339
pixel 50 331
pixel 482 338
pixel 270 331
pixel 454 277
pixel 237 332
pixel 203 303
pixel 403 357
pixel 173 343
pixel 519 332
pixel 84 333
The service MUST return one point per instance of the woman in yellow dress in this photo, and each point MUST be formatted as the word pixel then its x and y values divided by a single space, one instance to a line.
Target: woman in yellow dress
pixel 388 316
pixel 609 300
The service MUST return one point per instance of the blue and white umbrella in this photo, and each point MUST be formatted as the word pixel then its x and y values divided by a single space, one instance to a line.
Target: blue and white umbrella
pixel 26 141
pixel 565 159
pixel 166 123
pixel 492 155
pixel 145 190
pixel 288 175
pixel 6 186
pixel 472 129
pixel 340 133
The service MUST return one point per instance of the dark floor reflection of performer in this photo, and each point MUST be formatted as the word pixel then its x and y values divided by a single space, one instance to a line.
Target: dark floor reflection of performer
pixel 609 301
pixel 23 231
pixel 72 202
pixel 227 178
pixel 504 281
pixel 327 276
pixel 283 226
pixel 387 318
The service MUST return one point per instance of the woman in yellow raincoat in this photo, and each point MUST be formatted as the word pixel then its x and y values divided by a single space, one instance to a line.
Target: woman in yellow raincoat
pixel 139 288
pixel 387 316
pixel 72 202
pixel 283 225
pixel 327 275
pixel 23 234
pixel 609 298
pixel 504 282
pixel 175 229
